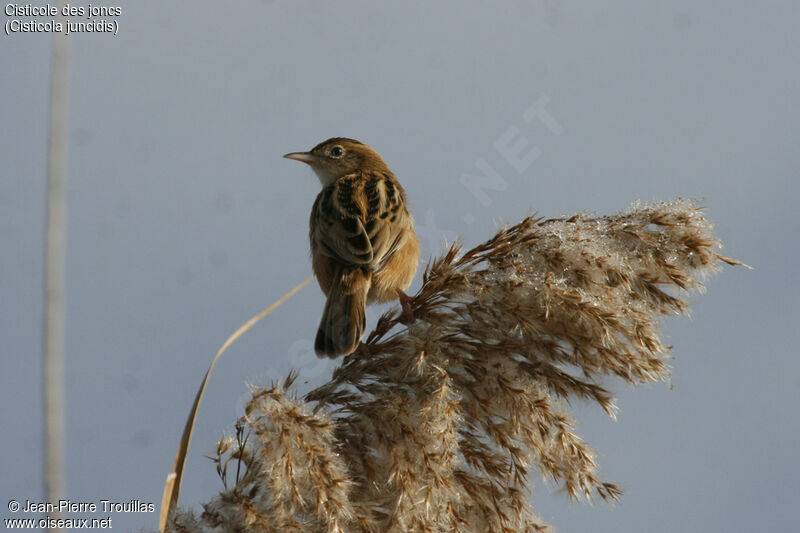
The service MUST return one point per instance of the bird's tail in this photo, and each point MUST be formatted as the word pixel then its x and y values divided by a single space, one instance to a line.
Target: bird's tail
pixel 344 318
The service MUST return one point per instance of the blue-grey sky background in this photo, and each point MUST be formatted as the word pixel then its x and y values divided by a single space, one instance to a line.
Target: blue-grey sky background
pixel 183 220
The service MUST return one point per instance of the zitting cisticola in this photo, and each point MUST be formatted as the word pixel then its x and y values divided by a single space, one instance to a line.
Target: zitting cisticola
pixel 363 245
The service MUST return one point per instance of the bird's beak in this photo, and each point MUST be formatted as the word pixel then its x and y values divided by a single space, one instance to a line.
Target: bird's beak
pixel 305 157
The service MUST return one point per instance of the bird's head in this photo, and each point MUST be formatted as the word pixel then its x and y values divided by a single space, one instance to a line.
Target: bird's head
pixel 339 156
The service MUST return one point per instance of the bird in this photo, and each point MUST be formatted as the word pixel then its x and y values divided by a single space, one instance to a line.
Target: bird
pixel 364 248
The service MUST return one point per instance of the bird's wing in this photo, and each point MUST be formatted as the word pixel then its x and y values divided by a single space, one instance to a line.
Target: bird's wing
pixel 360 220
pixel 389 221
pixel 337 228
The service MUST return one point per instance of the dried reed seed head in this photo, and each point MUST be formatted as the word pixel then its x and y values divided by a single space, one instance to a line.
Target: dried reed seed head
pixel 434 425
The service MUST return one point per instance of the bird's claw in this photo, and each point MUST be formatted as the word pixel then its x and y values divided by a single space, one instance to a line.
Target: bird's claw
pixel 407 314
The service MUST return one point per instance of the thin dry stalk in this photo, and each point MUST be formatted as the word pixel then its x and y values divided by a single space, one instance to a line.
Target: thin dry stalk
pixel 439 418
pixel 172 486
pixel 55 246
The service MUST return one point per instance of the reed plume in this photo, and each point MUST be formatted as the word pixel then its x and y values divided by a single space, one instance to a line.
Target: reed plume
pixel 440 418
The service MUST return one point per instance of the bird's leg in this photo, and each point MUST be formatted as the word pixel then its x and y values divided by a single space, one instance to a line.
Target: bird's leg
pixel 407 316
pixel 359 352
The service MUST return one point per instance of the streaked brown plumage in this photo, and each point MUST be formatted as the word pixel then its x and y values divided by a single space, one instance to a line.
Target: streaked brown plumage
pixel 363 244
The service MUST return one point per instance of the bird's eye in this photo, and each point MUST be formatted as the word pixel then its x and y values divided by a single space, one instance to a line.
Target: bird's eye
pixel 337 151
